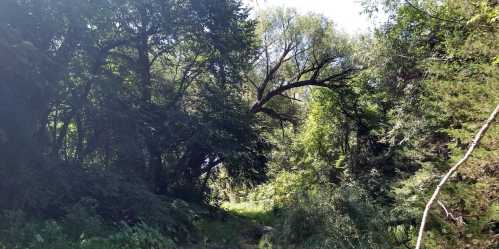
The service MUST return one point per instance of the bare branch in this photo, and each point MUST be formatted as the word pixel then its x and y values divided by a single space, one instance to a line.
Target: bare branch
pixel 448 214
pixel 272 71
pixel 475 142
pixel 325 82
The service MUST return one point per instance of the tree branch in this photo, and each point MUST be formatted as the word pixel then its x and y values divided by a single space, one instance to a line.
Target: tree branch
pixel 325 82
pixel 449 214
pixel 272 71
pixel 279 116
pixel 424 12
pixel 475 142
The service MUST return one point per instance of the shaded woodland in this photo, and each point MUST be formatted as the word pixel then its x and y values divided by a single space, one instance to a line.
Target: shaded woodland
pixel 159 124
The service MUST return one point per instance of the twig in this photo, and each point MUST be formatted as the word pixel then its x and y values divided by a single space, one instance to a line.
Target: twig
pixel 475 142
pixel 449 214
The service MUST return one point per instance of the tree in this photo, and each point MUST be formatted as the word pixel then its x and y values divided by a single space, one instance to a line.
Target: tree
pixel 475 143
pixel 145 90
pixel 296 51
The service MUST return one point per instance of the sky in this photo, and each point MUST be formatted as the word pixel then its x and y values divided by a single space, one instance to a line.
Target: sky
pixel 345 13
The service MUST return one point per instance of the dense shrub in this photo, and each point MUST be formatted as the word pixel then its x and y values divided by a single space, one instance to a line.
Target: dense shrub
pixel 78 231
pixel 332 218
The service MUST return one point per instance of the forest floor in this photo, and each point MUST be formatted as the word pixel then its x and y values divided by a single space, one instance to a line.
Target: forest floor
pixel 241 226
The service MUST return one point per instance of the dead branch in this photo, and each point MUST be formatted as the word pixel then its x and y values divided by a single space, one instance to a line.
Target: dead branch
pixel 472 147
pixel 448 214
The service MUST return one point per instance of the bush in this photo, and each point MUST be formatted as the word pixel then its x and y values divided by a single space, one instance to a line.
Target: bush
pixel 324 217
pixel 140 236
pixel 74 232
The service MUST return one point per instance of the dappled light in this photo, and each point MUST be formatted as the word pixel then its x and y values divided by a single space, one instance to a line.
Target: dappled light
pixel 228 124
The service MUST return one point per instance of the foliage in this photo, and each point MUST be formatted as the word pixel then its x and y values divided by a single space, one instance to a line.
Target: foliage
pixel 186 123
pixel 459 86
pixel 321 217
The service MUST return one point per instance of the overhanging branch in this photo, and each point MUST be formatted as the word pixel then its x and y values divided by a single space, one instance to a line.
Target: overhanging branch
pixel 325 82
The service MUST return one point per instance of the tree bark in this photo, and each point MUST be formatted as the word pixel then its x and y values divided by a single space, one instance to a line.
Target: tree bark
pixel 472 147
pixel 326 82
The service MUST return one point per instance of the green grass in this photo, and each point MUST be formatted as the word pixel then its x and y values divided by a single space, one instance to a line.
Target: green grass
pixel 254 211
pixel 231 231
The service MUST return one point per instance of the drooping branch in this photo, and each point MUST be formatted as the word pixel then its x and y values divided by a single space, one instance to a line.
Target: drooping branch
pixel 303 56
pixel 327 82
pixel 451 171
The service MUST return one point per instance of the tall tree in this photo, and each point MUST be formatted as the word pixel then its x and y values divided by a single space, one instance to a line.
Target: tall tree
pixel 297 51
